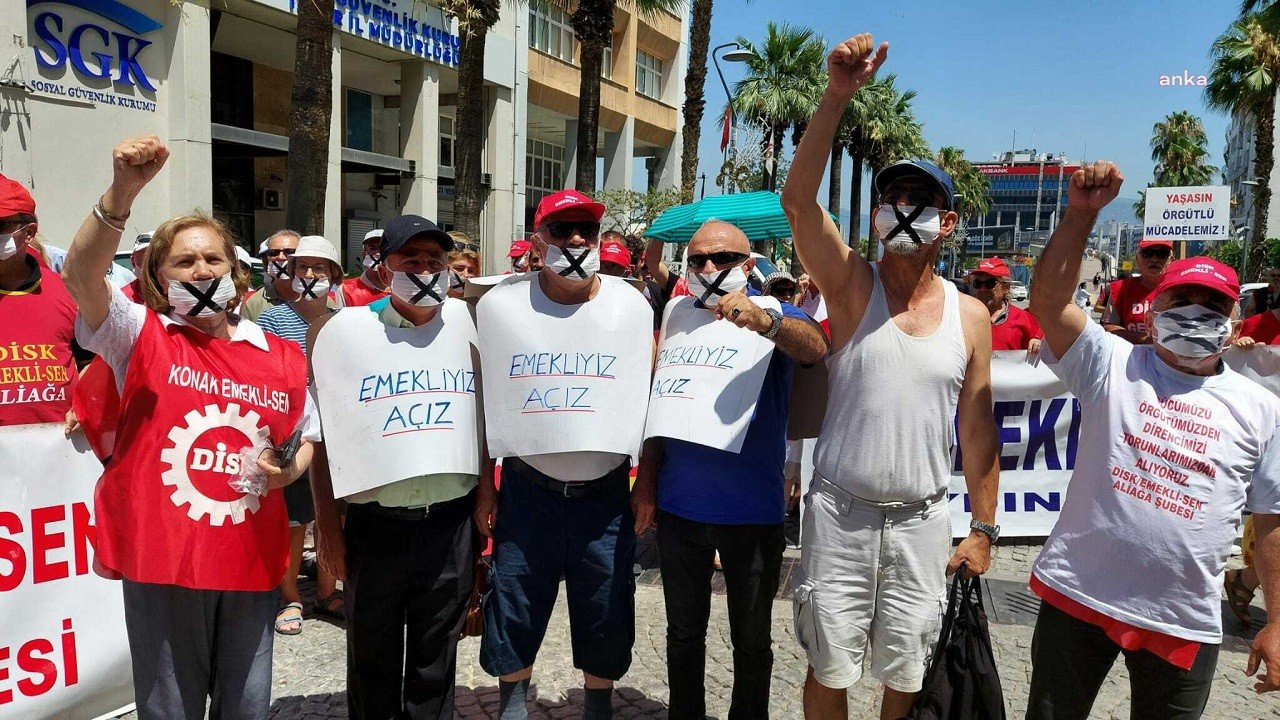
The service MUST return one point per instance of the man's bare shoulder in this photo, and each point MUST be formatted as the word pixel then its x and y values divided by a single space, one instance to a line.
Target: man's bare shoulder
pixel 972 312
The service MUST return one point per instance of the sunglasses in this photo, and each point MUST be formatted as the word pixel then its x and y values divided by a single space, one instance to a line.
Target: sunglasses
pixel 984 284
pixel 287 252
pixel 783 291
pixel 459 245
pixel 1159 253
pixel 564 229
pixel 914 196
pixel 724 257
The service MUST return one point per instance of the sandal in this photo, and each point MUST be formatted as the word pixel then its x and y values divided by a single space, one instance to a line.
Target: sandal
pixel 1238 597
pixel 289 614
pixel 325 606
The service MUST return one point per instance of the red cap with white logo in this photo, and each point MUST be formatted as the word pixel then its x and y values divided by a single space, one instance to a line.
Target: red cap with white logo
pixel 615 252
pixel 994 267
pixel 566 200
pixel 1203 272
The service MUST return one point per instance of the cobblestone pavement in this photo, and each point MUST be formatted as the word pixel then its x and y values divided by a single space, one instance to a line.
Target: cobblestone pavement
pixel 310 668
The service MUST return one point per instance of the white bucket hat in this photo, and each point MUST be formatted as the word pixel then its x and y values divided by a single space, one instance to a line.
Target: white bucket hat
pixel 315 246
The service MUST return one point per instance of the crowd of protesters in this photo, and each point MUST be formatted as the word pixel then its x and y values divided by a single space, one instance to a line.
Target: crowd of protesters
pixel 344 375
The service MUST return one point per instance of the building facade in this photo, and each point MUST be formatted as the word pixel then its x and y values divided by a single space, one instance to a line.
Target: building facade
pixel 213 79
pixel 1028 194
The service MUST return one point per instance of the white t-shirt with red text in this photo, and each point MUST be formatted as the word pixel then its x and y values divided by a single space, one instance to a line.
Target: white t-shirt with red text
pixel 1167 461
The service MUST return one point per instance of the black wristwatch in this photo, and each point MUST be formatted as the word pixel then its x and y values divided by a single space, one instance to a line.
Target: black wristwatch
pixel 991 531
pixel 776 316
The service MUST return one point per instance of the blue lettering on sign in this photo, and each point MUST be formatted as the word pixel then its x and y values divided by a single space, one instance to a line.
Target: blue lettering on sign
pixel 114 53
pixel 373 20
pixel 557 399
pixel 418 416
pixel 1031 501
pixel 1030 432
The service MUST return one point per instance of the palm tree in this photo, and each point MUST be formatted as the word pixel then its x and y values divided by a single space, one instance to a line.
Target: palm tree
pixel 854 137
pixel 475 17
pixel 311 107
pixel 592 23
pixel 1243 77
pixel 784 82
pixel 695 80
pixel 973 189
pixel 1179 148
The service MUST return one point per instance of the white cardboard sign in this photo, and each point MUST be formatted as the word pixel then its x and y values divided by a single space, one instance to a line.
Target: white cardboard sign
pixel 564 378
pixel 708 376
pixel 397 403
pixel 1187 213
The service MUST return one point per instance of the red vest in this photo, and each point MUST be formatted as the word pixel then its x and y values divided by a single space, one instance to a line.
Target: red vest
pixel 165 512
pixel 37 370
pixel 1131 299
pixel 355 293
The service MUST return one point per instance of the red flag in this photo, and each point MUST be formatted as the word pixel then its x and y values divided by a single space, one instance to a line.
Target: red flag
pixel 724 134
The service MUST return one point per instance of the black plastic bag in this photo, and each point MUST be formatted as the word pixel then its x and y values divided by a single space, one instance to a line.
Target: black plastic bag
pixel 961 682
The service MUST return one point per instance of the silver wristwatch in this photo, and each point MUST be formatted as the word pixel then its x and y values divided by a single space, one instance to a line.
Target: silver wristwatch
pixel 991 531
pixel 776 316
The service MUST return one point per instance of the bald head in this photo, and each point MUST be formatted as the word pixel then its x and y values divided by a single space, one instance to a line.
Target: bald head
pixel 717 236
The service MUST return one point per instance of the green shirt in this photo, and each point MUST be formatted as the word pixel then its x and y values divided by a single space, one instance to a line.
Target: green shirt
pixel 422 490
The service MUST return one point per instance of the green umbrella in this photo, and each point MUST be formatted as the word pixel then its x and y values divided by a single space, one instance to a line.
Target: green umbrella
pixel 758 214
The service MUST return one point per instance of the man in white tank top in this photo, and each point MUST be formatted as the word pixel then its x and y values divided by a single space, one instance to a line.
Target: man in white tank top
pixel 908 352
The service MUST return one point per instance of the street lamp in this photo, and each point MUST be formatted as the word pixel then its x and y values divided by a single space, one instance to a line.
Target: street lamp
pixel 739 54
pixel 1241 232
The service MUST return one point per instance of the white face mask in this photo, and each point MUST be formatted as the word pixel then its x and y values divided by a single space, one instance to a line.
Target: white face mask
pixel 277 269
pixel 426 290
pixel 369 261
pixel 574 263
pixel 892 223
pixel 708 288
pixel 312 289
pixel 8 247
pixel 1193 331
pixel 201 298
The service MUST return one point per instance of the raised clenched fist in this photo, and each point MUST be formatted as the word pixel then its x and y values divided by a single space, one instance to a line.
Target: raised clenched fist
pixel 852 64
pixel 135 162
pixel 1094 186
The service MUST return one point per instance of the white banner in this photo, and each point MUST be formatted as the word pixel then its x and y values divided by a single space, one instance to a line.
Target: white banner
pixel 63 649
pixel 1038 425
pixel 1187 213
pixel 708 376
pixel 1261 364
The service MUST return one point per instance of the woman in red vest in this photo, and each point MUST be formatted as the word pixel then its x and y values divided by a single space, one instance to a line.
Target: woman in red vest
pixel 200 389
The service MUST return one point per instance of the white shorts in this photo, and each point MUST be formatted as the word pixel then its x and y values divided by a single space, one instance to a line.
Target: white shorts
pixel 870 576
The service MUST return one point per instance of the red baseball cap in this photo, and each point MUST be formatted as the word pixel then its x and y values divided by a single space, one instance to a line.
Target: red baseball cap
pixel 615 252
pixel 1155 242
pixel 564 200
pixel 15 199
pixel 994 267
pixel 1203 272
pixel 519 247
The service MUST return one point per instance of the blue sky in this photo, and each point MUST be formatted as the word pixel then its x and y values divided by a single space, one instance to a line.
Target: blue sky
pixel 1080 77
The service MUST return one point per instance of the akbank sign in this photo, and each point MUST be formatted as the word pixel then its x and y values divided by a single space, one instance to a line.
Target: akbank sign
pixel 96 50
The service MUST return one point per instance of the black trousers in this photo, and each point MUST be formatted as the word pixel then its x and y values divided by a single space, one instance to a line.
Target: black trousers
pixel 751 556
pixel 408 583
pixel 1071 658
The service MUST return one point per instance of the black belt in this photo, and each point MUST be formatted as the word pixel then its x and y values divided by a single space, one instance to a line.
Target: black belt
pixel 418 513
pixel 583 489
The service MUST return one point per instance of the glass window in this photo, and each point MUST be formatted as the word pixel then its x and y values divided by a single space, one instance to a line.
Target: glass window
pixel 544 170
pixel 606 63
pixel 446 141
pixel 550 31
pixel 648 75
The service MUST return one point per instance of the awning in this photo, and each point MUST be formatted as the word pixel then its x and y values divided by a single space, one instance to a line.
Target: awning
pixel 231 141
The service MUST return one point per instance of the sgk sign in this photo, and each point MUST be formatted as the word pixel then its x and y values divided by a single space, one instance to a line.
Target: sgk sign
pixel 99 40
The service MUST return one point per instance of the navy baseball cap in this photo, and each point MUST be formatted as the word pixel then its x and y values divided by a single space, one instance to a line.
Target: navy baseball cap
pixel 922 169
pixel 406 227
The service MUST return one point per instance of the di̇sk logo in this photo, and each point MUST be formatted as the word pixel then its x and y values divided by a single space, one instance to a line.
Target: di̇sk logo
pixel 115 53
pixel 204 457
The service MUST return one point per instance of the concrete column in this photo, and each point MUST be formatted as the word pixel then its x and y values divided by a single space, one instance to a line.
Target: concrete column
pixel 666 166
pixel 15 132
pixel 333 183
pixel 420 137
pixel 190 178
pixel 505 139
pixel 619 156
pixel 571 152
